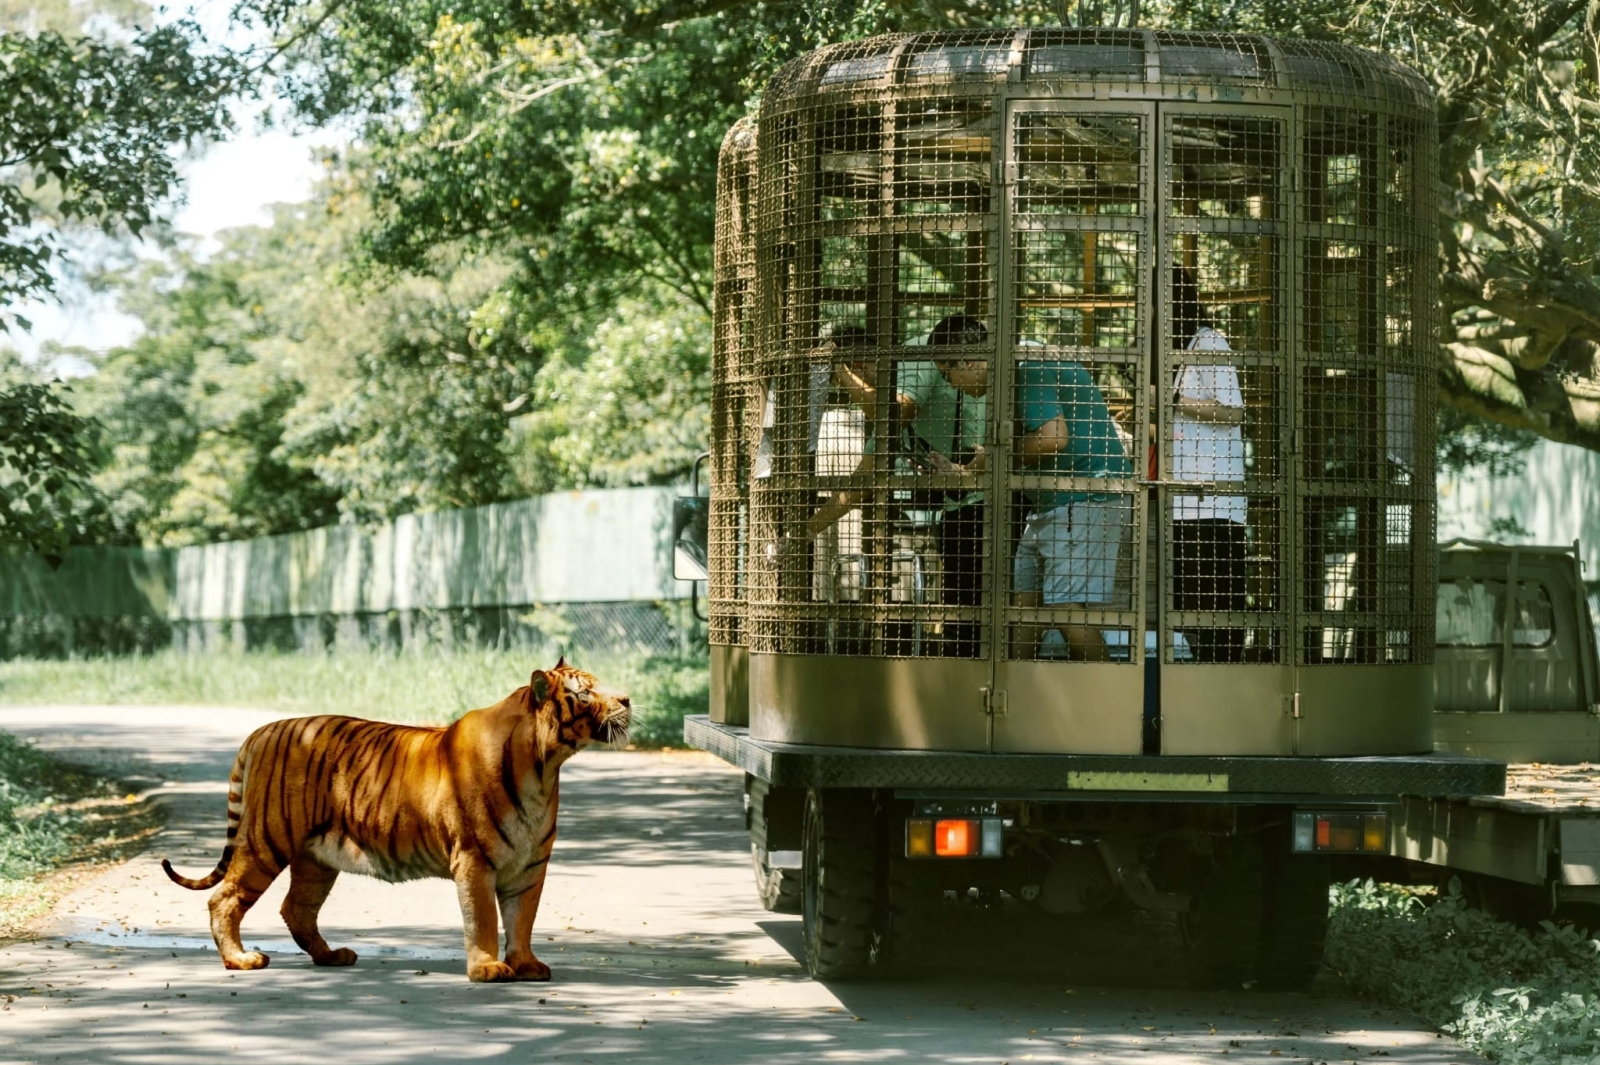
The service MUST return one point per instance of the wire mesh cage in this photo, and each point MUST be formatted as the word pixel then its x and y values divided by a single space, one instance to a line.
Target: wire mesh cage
pixel 1048 345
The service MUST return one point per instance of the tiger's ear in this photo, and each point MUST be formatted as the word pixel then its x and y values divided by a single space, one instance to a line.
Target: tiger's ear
pixel 538 690
pixel 562 664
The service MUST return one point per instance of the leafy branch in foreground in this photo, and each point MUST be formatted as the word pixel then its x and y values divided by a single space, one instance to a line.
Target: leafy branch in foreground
pixel 43 464
pixel 87 132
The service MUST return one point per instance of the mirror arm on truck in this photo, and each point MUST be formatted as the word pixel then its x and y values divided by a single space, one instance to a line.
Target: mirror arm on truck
pixel 690 536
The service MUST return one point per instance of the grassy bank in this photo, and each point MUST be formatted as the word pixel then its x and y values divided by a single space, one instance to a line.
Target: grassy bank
pixel 1521 997
pixel 433 686
pixel 52 813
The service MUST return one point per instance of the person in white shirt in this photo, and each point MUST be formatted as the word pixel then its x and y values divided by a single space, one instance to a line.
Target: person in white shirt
pixel 1208 530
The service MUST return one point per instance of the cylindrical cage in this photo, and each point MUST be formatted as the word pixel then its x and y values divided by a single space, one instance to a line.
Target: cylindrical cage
pixel 1074 392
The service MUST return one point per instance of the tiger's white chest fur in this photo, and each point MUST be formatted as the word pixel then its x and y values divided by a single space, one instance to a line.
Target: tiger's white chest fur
pixel 530 828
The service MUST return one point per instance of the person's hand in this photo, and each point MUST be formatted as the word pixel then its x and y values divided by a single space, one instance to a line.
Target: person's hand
pixel 940 463
pixel 784 548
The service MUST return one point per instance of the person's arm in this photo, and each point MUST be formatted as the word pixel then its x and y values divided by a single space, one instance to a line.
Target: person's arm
pixel 1051 438
pixel 864 394
pixel 1210 394
pixel 1209 411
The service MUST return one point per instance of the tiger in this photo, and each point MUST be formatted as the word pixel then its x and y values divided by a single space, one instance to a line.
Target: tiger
pixel 474 802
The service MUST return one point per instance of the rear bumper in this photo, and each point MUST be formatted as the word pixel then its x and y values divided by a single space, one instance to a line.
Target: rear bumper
pixel 1080 777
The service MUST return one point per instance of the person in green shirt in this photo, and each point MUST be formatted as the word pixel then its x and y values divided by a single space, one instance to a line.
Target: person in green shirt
pixel 1072 538
pixel 945 406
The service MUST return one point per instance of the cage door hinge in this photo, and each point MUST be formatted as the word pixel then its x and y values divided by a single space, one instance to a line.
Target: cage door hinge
pixel 994 701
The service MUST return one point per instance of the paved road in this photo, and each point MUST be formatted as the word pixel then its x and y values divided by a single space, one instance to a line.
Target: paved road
pixel 660 952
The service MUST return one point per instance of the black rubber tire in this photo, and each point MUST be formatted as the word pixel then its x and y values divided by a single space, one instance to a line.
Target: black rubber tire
pixel 839 878
pixel 913 903
pixel 778 889
pixel 1222 930
pixel 1295 922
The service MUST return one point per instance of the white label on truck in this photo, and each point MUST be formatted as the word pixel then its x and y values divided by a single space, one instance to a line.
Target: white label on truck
pixel 1090 780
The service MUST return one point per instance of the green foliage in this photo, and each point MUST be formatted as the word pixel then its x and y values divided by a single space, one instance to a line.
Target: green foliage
pixel 271 392
pixel 1467 442
pixel 88 135
pixel 43 466
pixel 504 287
pixel 425 686
pixel 635 410
pixel 1520 997
pixel 87 132
pixel 37 832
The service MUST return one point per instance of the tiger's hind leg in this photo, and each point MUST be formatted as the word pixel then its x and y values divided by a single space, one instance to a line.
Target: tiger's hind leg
pixel 309 884
pixel 248 878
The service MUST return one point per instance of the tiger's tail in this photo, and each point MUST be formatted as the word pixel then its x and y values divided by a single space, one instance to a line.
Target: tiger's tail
pixel 235 813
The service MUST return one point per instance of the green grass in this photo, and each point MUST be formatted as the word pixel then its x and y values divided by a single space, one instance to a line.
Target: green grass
pixel 53 812
pixel 431 686
pixel 1518 996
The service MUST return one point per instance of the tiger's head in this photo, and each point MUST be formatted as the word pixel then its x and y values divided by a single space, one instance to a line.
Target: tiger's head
pixel 580 710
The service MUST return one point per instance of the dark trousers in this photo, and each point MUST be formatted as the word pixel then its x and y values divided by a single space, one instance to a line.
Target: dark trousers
pixel 1208 573
pixel 961 536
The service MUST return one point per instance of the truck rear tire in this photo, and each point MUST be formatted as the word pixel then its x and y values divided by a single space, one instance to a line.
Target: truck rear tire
pixel 1258 914
pixel 1222 930
pixel 839 882
pixel 779 889
pixel 911 916
pixel 1295 924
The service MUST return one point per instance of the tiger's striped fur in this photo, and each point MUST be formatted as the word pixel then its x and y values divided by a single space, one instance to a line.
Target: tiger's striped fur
pixel 474 802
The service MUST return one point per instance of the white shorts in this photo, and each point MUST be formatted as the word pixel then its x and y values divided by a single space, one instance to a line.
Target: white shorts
pixel 1070 553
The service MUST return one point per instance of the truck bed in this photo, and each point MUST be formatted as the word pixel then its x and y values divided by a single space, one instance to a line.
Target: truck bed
pixel 1540 788
pixel 1187 778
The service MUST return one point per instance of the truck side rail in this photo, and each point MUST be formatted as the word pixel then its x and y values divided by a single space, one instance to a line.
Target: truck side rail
pixel 1185 778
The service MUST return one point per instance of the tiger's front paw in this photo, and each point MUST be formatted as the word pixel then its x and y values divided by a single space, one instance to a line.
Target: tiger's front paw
pixel 528 967
pixel 490 972
pixel 246 960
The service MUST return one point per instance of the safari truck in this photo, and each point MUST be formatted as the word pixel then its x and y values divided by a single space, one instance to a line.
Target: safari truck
pixel 1516 678
pixel 1070 536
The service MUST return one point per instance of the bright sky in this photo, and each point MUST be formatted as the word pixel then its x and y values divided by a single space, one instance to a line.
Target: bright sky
pixel 230 185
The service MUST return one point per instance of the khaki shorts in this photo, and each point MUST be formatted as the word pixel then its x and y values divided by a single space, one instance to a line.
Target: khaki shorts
pixel 1070 553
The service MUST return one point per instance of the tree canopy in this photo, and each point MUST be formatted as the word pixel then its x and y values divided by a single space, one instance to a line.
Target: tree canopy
pixel 503 286
pixel 470 103
pixel 88 133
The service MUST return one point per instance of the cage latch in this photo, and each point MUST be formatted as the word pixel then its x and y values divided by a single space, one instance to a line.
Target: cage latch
pixel 994 701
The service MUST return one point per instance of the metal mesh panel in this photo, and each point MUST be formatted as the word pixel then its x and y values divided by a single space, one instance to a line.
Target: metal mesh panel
pixel 1364 390
pixel 733 393
pixel 957 270
pixel 1223 389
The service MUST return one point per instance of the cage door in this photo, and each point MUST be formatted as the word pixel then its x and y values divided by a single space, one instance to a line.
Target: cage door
pixel 1224 502
pixel 1072 370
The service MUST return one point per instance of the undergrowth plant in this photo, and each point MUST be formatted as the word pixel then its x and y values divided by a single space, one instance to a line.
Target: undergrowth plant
pixel 1518 996
pixel 53 812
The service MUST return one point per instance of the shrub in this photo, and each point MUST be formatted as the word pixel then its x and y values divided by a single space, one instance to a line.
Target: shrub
pixel 1518 996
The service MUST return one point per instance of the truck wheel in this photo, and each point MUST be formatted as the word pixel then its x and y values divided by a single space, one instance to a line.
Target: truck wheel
pixel 1222 930
pixel 911 915
pixel 839 879
pixel 1295 923
pixel 779 888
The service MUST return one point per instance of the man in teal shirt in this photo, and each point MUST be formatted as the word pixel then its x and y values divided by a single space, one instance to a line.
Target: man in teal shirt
pixel 1071 540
